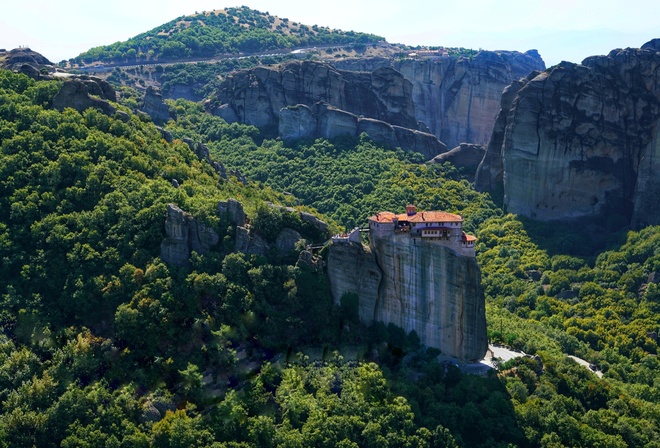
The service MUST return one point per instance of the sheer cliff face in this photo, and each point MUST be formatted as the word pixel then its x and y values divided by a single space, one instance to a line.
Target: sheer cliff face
pixel 452 100
pixel 582 141
pixel 256 96
pixel 458 98
pixel 416 285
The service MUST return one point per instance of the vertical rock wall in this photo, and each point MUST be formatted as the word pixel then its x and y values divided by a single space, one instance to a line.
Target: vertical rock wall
pixel 416 285
pixel 581 141
pixel 458 98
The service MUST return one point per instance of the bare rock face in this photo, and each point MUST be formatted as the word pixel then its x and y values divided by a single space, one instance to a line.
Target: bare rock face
pixel 297 122
pixel 312 99
pixel 458 98
pixel 324 120
pixel 286 240
pixel 352 268
pixel 233 210
pixel 154 106
pixel 18 58
pixel 184 235
pixel 582 141
pixel 250 242
pixel 490 173
pixel 416 285
pixel 466 156
pixel 76 93
pixel 257 95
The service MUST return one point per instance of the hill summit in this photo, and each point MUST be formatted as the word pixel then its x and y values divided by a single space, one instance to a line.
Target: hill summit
pixel 219 32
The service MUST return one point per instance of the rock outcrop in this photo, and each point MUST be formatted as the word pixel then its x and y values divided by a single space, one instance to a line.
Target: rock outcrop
pixel 154 106
pixel 416 285
pixel 352 268
pixel 466 156
pixel 185 234
pixel 582 141
pixel 323 120
pixel 233 211
pixel 83 92
pixel 458 97
pixel 24 60
pixel 312 99
pixel 257 95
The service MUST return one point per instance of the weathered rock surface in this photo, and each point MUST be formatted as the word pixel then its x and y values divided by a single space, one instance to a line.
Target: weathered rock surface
pixel 233 210
pixel 324 120
pixel 77 94
pixel 466 156
pixel 352 268
pixel 18 58
pixel 416 285
pixel 250 242
pixel 154 106
pixel 457 97
pixel 257 95
pixel 184 234
pixel 286 240
pixel 312 99
pixel 582 141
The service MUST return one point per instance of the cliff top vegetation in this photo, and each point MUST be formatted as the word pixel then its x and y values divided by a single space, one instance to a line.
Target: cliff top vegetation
pixel 227 31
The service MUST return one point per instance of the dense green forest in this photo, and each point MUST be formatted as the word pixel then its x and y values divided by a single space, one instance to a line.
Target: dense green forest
pixel 104 344
pixel 230 31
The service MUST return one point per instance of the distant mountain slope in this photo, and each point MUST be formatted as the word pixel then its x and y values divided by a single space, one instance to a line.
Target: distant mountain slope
pixel 228 31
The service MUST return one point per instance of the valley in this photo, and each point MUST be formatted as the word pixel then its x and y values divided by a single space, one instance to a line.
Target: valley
pixel 179 264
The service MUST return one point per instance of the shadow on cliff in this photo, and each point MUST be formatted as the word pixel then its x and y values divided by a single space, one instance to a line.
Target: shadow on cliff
pixel 580 238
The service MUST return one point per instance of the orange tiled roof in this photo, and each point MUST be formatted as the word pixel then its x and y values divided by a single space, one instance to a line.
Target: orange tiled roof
pixel 432 216
pixel 469 238
pixel 383 217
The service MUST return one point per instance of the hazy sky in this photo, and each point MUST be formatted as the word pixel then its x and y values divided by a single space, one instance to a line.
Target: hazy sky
pixel 560 29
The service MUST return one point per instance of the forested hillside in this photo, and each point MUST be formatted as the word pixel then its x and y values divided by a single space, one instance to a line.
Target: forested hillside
pixel 221 32
pixel 103 343
pixel 561 295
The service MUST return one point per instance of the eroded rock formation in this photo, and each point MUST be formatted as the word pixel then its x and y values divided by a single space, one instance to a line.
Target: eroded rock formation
pixel 416 285
pixel 24 60
pixel 458 97
pixel 466 156
pixel 311 99
pixel 185 234
pixel 323 120
pixel 582 141
pixel 83 92
pixel 154 106
pixel 256 96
